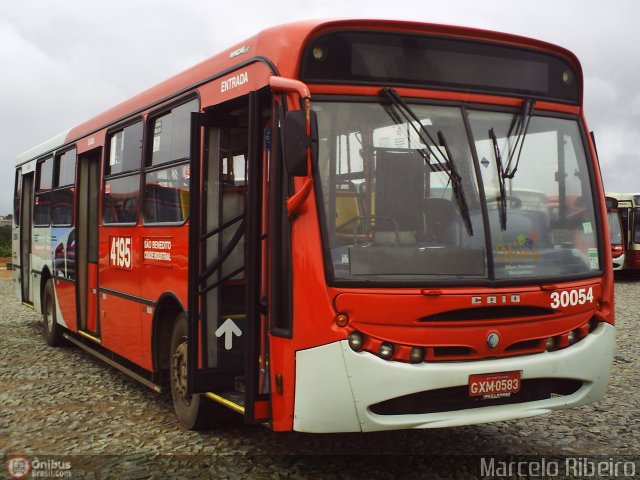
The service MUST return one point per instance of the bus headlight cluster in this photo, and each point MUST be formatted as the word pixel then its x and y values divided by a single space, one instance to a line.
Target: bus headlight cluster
pixel 358 342
pixel 571 337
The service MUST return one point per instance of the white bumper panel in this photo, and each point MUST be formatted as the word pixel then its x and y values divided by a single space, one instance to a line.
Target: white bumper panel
pixel 618 263
pixel 324 402
pixel 335 385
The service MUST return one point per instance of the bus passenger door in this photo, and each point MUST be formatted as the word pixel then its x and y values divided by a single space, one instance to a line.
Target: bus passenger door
pixel 85 243
pixel 224 253
pixel 25 238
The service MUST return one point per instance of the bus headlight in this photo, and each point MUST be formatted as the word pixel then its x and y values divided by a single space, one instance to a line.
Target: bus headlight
pixel 416 355
pixel 551 344
pixel 386 351
pixel 356 340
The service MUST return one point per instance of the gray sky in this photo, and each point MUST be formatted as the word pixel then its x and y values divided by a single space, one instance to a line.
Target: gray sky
pixel 65 61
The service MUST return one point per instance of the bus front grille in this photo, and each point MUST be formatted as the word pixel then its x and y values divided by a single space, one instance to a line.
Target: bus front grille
pixel 457 398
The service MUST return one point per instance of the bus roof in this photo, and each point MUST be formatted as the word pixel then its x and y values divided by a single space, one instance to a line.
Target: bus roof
pixel 633 198
pixel 278 46
pixel 44 148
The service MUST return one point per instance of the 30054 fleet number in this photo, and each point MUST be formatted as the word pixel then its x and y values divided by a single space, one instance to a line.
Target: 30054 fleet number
pixel 571 298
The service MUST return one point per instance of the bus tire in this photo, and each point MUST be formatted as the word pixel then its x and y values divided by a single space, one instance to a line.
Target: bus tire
pixel 193 411
pixel 51 330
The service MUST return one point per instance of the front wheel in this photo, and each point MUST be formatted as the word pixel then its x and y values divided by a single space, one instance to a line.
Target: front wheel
pixel 193 411
pixel 51 330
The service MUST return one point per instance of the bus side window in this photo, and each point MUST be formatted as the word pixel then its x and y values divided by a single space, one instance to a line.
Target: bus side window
pixel 120 203
pixel 167 195
pixel 17 198
pixel 122 178
pixel 166 190
pixel 63 192
pixel 42 197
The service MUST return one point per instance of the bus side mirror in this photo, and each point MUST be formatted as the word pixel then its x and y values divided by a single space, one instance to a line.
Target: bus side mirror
pixel 296 142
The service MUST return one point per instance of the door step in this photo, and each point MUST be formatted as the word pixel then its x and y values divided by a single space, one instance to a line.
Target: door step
pixel 232 400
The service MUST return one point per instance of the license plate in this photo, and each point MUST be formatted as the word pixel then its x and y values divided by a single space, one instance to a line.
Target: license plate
pixel 494 385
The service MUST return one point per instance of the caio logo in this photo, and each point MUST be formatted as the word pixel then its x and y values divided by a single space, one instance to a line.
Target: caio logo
pixel 495 299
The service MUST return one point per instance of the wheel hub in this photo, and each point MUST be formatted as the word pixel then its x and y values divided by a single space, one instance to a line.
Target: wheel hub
pixel 49 316
pixel 180 370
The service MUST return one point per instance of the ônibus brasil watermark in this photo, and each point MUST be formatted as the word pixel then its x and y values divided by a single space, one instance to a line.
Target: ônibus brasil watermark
pixel 22 467
pixel 569 467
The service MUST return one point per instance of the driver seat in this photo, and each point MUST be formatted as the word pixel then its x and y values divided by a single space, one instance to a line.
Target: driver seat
pixel 439 214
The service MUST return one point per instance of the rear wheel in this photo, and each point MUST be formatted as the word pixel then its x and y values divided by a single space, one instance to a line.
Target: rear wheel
pixel 51 331
pixel 193 411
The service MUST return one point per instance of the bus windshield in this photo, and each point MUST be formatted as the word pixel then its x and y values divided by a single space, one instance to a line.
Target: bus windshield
pixel 409 198
pixel 615 228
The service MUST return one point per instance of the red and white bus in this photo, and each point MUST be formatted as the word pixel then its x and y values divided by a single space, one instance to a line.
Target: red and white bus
pixel 628 206
pixel 324 228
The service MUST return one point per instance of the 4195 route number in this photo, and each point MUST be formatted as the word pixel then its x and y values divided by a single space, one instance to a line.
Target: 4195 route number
pixel 120 256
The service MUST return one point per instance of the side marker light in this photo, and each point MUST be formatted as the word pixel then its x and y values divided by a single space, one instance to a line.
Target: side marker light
pixel 342 319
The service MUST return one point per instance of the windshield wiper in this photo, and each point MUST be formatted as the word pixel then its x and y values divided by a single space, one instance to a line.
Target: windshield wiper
pixel 522 122
pixel 456 185
pixel 404 113
pixel 444 160
pixel 521 125
pixel 502 199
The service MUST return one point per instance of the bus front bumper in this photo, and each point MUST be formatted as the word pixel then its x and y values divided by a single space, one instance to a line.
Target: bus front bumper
pixel 335 386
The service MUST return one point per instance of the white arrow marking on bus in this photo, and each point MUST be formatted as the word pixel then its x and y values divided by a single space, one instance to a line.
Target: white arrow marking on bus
pixel 228 329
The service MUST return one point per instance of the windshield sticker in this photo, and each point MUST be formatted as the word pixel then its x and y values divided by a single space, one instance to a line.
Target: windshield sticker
pixel 521 249
pixel 522 269
pixel 594 261
pixel 587 228
pixel 112 157
pixel 157 132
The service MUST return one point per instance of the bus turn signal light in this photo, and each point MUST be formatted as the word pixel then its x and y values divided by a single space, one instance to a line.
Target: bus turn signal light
pixel 342 319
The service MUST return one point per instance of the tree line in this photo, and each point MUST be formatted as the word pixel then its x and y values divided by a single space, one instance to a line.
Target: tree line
pixel 5 241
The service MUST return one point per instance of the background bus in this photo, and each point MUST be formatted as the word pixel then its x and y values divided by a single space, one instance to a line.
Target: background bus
pixel 629 210
pixel 615 233
pixel 334 226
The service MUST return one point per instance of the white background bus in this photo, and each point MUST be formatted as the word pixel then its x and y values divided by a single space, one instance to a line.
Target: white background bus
pixel 629 208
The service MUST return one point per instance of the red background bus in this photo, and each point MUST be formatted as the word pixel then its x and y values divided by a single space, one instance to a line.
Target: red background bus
pixel 628 206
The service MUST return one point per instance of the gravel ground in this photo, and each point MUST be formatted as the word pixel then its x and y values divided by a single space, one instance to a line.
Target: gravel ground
pixel 63 404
